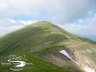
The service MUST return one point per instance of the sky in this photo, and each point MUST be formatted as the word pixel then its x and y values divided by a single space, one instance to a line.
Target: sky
pixel 76 16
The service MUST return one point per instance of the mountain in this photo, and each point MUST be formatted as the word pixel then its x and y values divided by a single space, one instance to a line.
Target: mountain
pixel 48 48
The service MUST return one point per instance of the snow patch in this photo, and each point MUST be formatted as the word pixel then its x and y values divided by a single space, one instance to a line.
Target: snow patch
pixel 86 68
pixel 64 52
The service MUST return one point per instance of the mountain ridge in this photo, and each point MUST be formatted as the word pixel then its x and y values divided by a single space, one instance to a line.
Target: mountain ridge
pixel 45 40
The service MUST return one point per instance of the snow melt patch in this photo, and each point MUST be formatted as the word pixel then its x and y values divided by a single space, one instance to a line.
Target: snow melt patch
pixel 64 52
pixel 88 69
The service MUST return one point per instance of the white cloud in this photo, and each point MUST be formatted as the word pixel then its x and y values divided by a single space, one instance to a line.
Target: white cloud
pixel 8 25
pixel 4 30
pixel 68 9
pixel 58 10
pixel 3 5
pixel 26 22
pixel 86 28
pixel 13 21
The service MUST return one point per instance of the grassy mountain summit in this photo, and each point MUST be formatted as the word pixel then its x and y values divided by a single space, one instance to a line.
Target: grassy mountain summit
pixel 34 38
pixel 41 43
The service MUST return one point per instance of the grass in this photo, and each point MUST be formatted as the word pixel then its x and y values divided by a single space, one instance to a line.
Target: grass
pixel 38 65
pixel 31 39
pixel 34 40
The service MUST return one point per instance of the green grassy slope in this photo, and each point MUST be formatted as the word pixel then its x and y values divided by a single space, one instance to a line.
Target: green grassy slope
pixel 38 65
pixel 35 40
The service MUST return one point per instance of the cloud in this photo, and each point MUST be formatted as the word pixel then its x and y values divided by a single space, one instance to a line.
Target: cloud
pixel 56 10
pixel 23 22
pixel 27 22
pixel 8 25
pixel 5 30
pixel 17 13
pixel 13 21
pixel 86 28
pixel 3 5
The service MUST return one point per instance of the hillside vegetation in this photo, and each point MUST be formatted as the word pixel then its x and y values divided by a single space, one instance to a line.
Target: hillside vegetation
pixel 41 42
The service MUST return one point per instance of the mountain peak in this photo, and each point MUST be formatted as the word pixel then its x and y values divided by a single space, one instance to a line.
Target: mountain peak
pixel 41 23
pixel 47 41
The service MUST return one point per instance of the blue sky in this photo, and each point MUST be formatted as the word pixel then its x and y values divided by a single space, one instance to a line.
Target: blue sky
pixel 76 16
